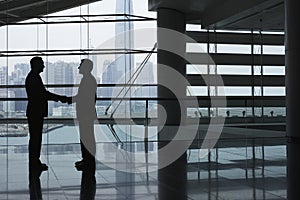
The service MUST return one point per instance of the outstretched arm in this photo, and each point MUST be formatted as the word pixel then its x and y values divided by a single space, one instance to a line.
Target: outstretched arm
pixel 56 97
pixel 53 97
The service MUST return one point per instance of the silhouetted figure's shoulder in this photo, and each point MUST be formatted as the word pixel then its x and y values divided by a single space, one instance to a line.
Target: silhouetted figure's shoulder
pixel 35 89
pixel 31 80
pixel 90 79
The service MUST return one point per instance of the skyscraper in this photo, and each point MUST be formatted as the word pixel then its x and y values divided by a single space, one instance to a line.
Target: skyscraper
pixel 124 40
pixel 125 64
pixel 119 70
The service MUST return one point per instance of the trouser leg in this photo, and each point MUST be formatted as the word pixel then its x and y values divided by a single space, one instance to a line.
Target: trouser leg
pixel 87 140
pixel 35 141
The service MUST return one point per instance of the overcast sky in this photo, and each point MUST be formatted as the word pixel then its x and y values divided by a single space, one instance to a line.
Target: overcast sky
pixel 68 36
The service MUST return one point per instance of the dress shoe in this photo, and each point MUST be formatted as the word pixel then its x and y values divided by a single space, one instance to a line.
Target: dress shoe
pixel 81 166
pixel 79 162
pixel 43 167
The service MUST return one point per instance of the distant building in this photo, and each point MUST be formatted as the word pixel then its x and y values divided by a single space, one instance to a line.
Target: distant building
pixel 146 77
pixel 23 69
pixel 6 107
pixel 61 73
pixel 3 75
pixel 124 40
pixel 61 111
pixel 110 75
pixel 18 77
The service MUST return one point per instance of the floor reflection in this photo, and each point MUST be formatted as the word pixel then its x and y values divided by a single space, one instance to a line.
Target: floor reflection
pixel 35 185
pixel 235 169
pixel 88 182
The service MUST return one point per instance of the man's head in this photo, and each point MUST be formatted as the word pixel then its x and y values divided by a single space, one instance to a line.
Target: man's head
pixel 86 66
pixel 37 64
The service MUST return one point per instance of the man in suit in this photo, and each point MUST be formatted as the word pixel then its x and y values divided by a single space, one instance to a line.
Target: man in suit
pixel 86 114
pixel 37 109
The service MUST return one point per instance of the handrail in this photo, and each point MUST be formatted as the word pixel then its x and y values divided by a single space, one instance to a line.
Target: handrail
pixel 132 79
pixel 128 84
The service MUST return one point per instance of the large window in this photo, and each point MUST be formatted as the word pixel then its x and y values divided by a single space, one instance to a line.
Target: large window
pixel 102 31
pixel 251 65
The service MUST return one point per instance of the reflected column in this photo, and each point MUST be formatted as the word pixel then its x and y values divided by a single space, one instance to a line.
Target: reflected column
pixel 173 178
pixel 292 62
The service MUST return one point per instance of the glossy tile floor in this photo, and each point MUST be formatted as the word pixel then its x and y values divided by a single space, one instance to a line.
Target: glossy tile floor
pixel 247 172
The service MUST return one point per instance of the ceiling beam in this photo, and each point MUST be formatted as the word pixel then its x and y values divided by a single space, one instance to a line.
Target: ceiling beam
pixel 15 11
pixel 224 12
pixel 235 38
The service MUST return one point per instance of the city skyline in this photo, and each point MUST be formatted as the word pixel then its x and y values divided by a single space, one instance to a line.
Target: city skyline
pixel 60 72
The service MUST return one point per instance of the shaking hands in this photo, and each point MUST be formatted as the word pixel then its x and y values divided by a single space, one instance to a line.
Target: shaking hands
pixel 65 99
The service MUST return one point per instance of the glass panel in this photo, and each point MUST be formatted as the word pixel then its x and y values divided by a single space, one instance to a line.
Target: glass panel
pixel 274 91
pixel 196 48
pixel 103 7
pixel 3 71
pixel 62 70
pixel 16 35
pixel 275 111
pixel 64 36
pixel 234 48
pixel 3 38
pixel 196 91
pixel 274 70
pixel 4 107
pixel 196 69
pixel 18 68
pixel 235 112
pixel 140 7
pixel 235 91
pixel 275 50
pixel 236 70
pixel 193 27
pixel 197 112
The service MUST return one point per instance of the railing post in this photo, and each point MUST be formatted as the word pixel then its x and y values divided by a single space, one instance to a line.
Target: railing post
pixel 146 138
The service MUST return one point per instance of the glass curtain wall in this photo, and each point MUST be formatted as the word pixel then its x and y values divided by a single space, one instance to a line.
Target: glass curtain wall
pixel 102 31
pixel 252 68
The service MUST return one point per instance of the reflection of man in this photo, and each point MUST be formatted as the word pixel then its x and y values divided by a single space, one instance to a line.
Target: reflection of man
pixel 86 114
pixel 37 109
pixel 88 183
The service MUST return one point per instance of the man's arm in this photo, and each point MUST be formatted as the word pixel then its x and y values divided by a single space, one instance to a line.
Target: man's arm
pixel 52 96
pixel 56 97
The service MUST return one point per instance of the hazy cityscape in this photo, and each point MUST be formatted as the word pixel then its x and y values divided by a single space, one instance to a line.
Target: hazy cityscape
pixel 61 73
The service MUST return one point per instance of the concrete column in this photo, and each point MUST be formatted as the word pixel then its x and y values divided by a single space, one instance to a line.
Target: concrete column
pixel 173 178
pixel 292 62
pixel 167 45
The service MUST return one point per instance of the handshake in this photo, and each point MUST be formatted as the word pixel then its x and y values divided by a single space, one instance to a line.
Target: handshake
pixel 65 99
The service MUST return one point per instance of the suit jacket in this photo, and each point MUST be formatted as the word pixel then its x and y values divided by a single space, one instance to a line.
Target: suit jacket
pixel 86 98
pixel 37 96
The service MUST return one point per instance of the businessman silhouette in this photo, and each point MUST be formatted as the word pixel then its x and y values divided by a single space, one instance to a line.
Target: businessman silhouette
pixel 86 114
pixel 37 109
